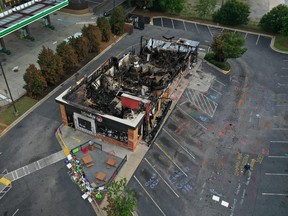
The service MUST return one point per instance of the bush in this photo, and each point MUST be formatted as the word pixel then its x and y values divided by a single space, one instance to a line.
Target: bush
pixel 105 28
pixel 210 57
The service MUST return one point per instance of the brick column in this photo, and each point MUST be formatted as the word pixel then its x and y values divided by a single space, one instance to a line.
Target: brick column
pixel 132 138
pixel 63 114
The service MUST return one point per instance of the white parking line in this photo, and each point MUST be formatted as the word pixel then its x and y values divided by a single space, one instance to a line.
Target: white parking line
pixel 15 212
pixel 159 146
pixel 246 35
pixel 276 174
pixel 191 117
pixel 196 28
pixel 275 156
pixel 184 26
pixel 279 141
pixel 220 82
pixel 161 177
pixel 149 195
pixel 210 31
pixel 161 22
pixel 274 194
pixel 179 144
pixel 279 128
pixel 257 39
pixel 172 21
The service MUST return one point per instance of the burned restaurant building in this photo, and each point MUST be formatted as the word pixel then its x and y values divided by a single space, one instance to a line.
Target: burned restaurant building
pixel 123 100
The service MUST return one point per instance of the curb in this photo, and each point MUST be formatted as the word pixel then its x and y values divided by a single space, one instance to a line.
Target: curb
pixel 217 68
pixel 274 48
pixel 57 88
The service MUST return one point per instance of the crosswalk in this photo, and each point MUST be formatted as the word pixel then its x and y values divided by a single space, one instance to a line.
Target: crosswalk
pixel 201 102
pixel 33 167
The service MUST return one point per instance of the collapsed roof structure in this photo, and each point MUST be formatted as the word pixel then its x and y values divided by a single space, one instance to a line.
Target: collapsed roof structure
pixel 123 100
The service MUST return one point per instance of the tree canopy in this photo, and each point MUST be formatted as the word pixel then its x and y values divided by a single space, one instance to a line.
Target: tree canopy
pixel 275 21
pixel 143 3
pixel 170 6
pixel 35 81
pixel 232 13
pixel 228 45
pixel 51 66
pixel 117 20
pixel 105 28
pixel 93 34
pixel 205 8
pixel 121 200
pixel 68 55
pixel 81 46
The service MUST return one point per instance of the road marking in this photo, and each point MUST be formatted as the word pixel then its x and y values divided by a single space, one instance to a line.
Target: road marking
pixel 274 194
pixel 15 212
pixel 216 90
pixel 161 177
pixel 16 174
pixel 172 21
pixel 13 176
pixel 277 174
pixel 279 128
pixel 196 28
pixel 179 143
pixel 220 82
pixel 149 195
pixel 191 117
pixel 279 141
pixel 76 139
pixel 275 156
pixel 184 25
pixel 159 146
pixel 38 164
pixel 210 31
pixel 246 35
pixel 161 22
pixel 257 39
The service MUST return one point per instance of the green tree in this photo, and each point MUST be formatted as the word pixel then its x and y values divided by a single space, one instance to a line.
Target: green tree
pixel 205 8
pixel 144 3
pixel 121 200
pixel 93 34
pixel 284 29
pixel 232 13
pixel 35 81
pixel 68 55
pixel 105 28
pixel 228 45
pixel 117 20
pixel 51 66
pixel 274 20
pixel 170 6
pixel 81 46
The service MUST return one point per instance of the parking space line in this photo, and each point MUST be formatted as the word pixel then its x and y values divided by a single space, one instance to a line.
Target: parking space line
pixel 196 28
pixel 161 22
pixel 191 117
pixel 210 31
pixel 161 177
pixel 184 26
pixel 179 143
pixel 220 82
pixel 274 194
pixel 168 156
pixel 279 128
pixel 172 21
pixel 279 141
pixel 246 35
pixel 149 195
pixel 275 156
pixel 257 39
pixel 276 174
pixel 15 212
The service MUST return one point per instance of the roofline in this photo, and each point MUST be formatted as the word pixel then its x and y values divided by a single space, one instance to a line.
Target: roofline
pixel 32 19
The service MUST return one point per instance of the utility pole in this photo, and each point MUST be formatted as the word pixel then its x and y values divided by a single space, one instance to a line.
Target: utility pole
pixel 15 110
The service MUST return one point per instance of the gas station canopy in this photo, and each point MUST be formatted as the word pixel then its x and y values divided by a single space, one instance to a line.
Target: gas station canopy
pixel 27 13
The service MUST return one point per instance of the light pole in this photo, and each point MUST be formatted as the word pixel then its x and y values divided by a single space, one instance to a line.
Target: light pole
pixel 15 110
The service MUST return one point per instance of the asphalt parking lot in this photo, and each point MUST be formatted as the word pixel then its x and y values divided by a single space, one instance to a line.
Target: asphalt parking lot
pixel 194 167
